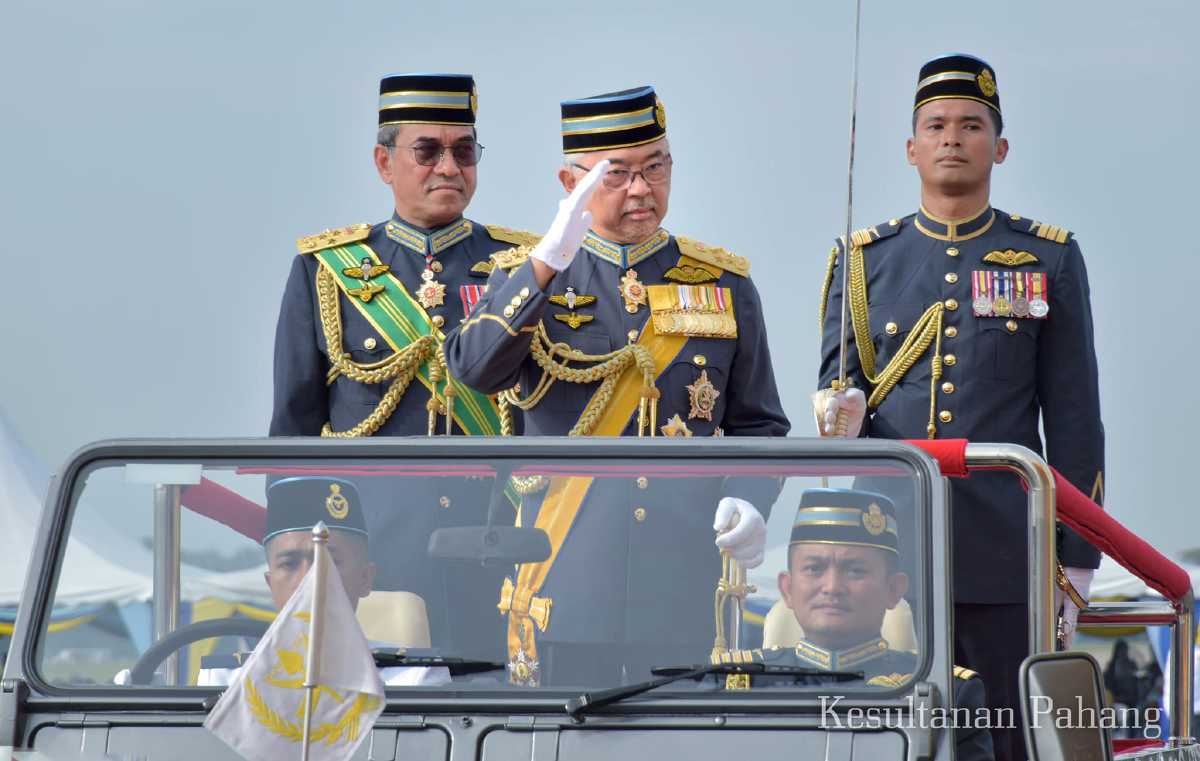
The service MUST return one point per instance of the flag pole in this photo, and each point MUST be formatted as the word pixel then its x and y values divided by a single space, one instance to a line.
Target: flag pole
pixel 320 535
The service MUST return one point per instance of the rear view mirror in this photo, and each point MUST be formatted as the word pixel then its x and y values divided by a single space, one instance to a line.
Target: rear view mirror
pixel 491 545
pixel 1062 704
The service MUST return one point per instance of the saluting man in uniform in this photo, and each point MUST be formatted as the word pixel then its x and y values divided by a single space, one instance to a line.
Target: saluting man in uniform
pixel 358 349
pixel 611 326
pixel 971 322
pixel 842 577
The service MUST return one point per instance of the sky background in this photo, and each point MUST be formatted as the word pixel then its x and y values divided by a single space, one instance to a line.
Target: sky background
pixel 159 159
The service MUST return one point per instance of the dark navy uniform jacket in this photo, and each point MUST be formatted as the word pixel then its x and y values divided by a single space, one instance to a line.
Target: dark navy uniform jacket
pixel 304 403
pixel 635 544
pixel 1001 375
pixel 884 668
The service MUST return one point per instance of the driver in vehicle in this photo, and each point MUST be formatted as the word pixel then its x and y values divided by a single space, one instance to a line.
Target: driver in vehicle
pixel 294 506
pixel 843 576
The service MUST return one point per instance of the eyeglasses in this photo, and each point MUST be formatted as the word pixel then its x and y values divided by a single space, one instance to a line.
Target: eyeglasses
pixel 430 154
pixel 618 178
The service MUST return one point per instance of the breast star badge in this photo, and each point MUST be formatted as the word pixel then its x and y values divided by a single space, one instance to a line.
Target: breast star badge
pixel 431 293
pixel 676 427
pixel 632 291
pixel 703 396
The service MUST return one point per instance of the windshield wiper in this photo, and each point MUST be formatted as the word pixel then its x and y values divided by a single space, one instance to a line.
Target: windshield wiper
pixel 590 701
pixel 428 658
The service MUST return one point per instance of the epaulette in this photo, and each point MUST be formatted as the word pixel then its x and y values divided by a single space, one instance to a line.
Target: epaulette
pixel 1039 229
pixel 310 244
pixel 963 673
pixel 702 252
pixel 511 257
pixel 889 680
pixel 868 235
pixel 515 237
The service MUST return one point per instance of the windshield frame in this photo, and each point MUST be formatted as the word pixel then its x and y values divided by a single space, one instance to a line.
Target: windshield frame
pixel 41 582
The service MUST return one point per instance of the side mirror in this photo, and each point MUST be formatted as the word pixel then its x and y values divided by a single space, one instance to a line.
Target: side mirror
pixel 490 545
pixel 1062 704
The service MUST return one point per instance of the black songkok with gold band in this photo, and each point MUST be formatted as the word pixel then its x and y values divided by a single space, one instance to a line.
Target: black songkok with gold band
pixel 846 516
pixel 427 99
pixel 613 120
pixel 957 75
pixel 298 504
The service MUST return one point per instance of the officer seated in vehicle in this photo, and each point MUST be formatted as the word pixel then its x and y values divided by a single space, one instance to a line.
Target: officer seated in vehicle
pixel 294 506
pixel 843 575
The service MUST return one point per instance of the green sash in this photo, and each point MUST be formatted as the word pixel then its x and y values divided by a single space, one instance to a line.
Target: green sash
pixel 401 320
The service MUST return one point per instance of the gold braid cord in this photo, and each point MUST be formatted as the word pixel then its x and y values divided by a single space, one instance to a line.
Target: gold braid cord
pixel 607 368
pixel 400 368
pixel 833 255
pixel 927 331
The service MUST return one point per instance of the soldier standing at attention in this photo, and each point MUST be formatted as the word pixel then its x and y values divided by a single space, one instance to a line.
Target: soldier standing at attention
pixel 969 322
pixel 358 348
pixel 612 326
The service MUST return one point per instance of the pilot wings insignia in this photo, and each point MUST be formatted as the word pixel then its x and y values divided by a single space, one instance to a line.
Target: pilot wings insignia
pixel 571 300
pixel 690 275
pixel 366 270
pixel 366 293
pixel 1010 258
pixel 574 319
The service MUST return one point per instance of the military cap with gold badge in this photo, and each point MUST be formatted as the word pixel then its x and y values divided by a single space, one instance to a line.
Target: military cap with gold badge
pixel 957 75
pixel 299 503
pixel 427 99
pixel 846 516
pixel 613 120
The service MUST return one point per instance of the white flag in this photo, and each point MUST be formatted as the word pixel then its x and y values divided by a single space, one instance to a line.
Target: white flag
pixel 261 715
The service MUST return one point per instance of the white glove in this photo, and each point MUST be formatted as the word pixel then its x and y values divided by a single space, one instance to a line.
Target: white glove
pixel 1081 579
pixel 745 530
pixel 829 402
pixel 560 243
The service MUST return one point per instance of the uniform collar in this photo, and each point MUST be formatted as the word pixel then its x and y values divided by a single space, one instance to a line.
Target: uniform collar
pixel 836 660
pixel 625 256
pixel 955 229
pixel 424 241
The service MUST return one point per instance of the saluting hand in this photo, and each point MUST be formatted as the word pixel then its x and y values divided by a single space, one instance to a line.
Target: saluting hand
pixel 558 246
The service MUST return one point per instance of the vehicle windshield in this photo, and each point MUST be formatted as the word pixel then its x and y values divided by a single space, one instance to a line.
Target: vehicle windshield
pixel 555 574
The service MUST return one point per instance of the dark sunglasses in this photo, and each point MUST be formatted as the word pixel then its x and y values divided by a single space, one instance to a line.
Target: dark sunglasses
pixel 430 154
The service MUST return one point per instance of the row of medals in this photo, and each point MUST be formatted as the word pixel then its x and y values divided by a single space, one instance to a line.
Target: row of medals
pixel 1018 307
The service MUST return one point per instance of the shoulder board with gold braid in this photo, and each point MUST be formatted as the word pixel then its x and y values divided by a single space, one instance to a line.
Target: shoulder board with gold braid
pixel 310 244
pixel 1039 229
pixel 511 258
pixel 515 237
pixel 868 235
pixel 963 673
pixel 702 252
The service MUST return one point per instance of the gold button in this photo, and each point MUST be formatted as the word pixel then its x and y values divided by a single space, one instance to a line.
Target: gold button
pixel 516 301
pixel 1011 325
pixel 947 388
pixel 952 304
pixel 643 482
pixel 952 251
pixel 700 359
pixel 435 266
pixel 951 277
pixel 632 335
pixel 949 359
pixel 945 416
pixel 639 514
pixel 525 292
pixel 893 222
pixel 891 328
pixel 951 331
pixel 509 311
pixel 438 321
pixel 369 343
pixel 1015 217
pixel 444 502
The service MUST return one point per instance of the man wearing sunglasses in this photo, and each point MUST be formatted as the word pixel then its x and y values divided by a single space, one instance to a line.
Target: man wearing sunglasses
pixel 365 310
pixel 611 325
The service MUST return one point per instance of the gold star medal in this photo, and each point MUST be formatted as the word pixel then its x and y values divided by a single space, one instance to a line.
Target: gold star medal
pixel 632 291
pixel 703 396
pixel 431 293
pixel 676 427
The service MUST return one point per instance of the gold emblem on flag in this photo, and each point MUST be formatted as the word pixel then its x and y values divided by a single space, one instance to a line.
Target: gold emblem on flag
pixel 874 521
pixel 703 396
pixel 337 505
